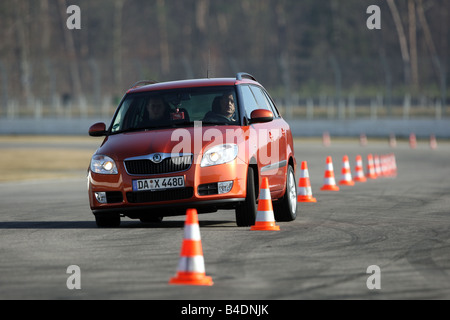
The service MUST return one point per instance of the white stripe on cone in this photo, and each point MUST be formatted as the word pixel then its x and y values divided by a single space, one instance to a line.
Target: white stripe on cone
pixel 265 216
pixel 192 232
pixel 191 264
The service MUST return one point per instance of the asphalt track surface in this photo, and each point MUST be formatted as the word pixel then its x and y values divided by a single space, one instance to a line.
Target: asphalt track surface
pixel 400 224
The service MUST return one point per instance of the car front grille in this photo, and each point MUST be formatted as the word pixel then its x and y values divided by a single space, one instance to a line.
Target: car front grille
pixel 167 165
pixel 163 195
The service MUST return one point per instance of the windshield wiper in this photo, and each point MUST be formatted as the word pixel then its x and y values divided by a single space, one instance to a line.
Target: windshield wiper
pixel 173 125
pixel 142 128
pixel 192 123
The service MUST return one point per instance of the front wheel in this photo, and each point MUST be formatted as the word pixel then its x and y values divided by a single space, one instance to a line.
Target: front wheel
pixel 246 212
pixel 286 208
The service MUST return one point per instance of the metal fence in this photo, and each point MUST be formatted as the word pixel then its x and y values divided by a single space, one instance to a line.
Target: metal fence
pixel 348 88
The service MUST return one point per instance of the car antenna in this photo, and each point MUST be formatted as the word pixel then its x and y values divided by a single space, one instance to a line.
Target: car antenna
pixel 207 65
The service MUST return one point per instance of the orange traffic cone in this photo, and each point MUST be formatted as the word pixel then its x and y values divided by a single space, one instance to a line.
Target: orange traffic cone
pixel 412 141
pixel 371 174
pixel 359 172
pixel 376 162
pixel 392 141
pixel 363 139
pixel 265 219
pixel 326 141
pixel 433 142
pixel 389 166
pixel 385 165
pixel 346 175
pixel 393 166
pixel 329 181
pixel 191 266
pixel 304 193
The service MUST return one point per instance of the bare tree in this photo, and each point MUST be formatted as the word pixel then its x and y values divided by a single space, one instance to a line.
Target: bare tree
pixel 71 53
pixel 23 48
pixel 117 44
pixel 401 39
pixel 427 34
pixel 413 44
pixel 164 41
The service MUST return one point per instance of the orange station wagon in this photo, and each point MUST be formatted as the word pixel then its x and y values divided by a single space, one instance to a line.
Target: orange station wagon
pixel 202 143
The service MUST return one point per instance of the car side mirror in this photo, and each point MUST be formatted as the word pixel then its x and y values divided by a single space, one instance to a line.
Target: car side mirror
pixel 97 130
pixel 261 115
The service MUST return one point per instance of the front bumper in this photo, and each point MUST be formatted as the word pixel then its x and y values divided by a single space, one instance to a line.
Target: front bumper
pixel 200 191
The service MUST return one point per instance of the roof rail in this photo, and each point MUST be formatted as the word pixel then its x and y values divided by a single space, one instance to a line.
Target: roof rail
pixel 242 75
pixel 142 83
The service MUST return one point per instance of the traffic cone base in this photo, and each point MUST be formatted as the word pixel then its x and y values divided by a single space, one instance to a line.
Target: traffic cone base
pixel 264 225
pixel 306 199
pixel 191 278
pixel 347 183
pixel 330 188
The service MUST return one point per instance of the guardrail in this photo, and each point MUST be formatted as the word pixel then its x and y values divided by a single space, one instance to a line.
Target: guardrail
pixel 422 128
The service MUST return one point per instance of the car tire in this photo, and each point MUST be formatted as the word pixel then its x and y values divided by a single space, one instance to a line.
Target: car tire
pixel 286 208
pixel 110 221
pixel 246 212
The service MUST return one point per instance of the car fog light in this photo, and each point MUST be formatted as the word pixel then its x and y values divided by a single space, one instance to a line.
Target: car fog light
pixel 101 197
pixel 224 187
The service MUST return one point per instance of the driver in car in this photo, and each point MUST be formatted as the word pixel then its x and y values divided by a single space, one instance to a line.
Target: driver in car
pixel 222 110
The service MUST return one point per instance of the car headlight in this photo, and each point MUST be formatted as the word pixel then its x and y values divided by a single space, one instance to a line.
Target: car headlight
pixel 103 164
pixel 219 154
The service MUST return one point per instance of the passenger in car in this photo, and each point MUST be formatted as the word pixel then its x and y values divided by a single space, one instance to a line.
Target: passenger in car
pixel 223 109
pixel 156 112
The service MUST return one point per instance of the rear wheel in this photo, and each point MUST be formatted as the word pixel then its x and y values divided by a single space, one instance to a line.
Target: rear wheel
pixel 107 221
pixel 286 208
pixel 246 213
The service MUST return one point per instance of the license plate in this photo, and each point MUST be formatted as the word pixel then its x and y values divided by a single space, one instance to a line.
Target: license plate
pixel 158 183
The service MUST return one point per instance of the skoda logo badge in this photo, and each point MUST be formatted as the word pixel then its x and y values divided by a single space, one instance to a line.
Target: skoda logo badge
pixel 157 158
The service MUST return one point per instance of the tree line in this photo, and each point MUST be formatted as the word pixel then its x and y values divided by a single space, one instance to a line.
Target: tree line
pixel 293 47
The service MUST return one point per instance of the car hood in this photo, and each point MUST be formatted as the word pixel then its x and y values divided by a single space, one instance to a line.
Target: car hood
pixel 181 140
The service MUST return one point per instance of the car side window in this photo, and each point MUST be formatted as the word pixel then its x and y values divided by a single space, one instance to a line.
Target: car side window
pixel 276 114
pixel 260 98
pixel 249 100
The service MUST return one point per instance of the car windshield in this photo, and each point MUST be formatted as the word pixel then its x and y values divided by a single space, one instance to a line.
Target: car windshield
pixel 177 108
